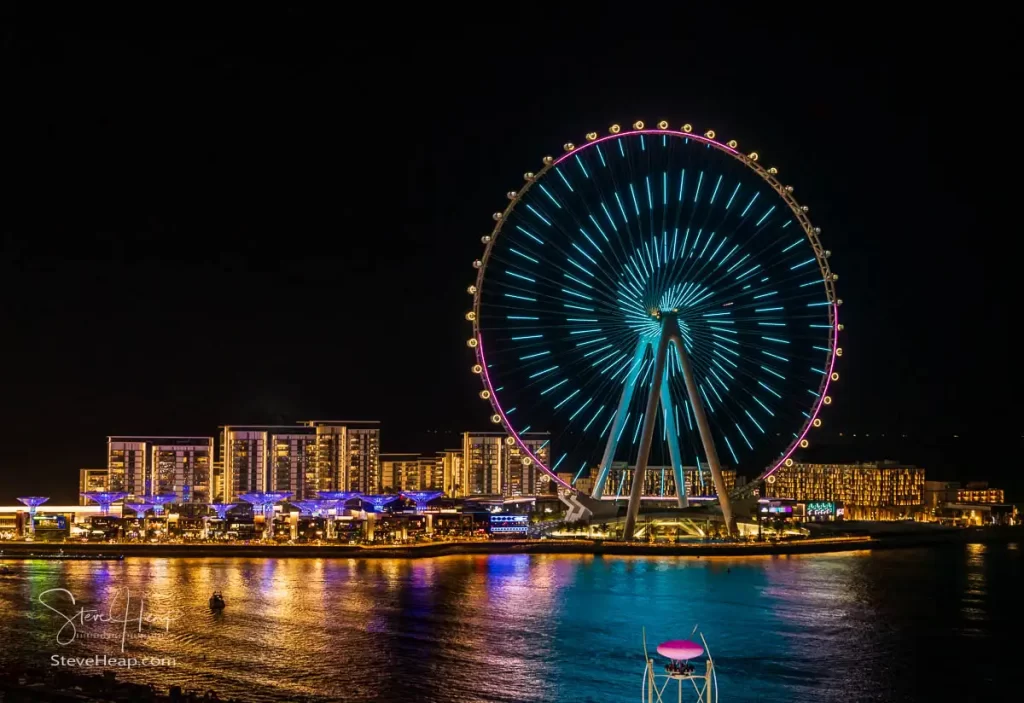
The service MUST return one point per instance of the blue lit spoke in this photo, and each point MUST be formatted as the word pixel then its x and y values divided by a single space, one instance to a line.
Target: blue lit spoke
pixel 744 436
pixel 560 383
pixel 635 205
pixel 599 227
pixel 520 276
pixel 582 167
pixel 625 220
pixel 580 409
pixel 734 192
pixel 550 196
pixel 587 426
pixel 765 407
pixel 756 423
pixel 542 218
pixel 567 399
pixel 729 445
pixel 764 216
pixel 565 180
pixel 696 193
pixel 743 214
pixel 715 191
pixel 541 373
pixel 531 235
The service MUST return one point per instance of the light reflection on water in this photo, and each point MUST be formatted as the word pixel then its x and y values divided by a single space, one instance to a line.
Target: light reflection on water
pixel 539 628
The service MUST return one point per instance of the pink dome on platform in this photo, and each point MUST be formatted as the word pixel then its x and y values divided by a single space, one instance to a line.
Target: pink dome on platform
pixel 680 649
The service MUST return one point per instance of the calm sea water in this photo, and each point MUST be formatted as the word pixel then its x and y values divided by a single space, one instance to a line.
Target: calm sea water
pixel 903 625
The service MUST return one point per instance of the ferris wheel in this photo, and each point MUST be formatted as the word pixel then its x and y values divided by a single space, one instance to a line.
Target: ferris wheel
pixel 655 297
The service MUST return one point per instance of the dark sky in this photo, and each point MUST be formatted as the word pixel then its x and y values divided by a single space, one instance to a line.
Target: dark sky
pixel 278 225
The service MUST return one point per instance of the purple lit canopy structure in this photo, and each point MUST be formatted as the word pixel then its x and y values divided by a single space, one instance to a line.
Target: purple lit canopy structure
pixel 140 508
pixel 379 501
pixel 313 507
pixel 264 501
pixel 221 509
pixel 154 502
pixel 33 503
pixel 655 295
pixel 422 498
pixel 341 496
pixel 104 499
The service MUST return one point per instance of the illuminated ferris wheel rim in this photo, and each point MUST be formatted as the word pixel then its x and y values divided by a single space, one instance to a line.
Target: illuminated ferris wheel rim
pixel 750 161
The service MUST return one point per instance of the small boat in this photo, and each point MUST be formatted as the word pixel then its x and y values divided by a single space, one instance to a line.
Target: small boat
pixel 217 601
pixel 5 570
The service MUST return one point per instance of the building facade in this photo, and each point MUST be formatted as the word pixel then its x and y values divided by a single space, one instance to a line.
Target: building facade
pixel 451 472
pixel 492 464
pixel 178 466
pixel 348 454
pixel 979 492
pixel 300 459
pixel 871 491
pixel 243 450
pixel 659 481
pixel 92 480
pixel 292 462
pixel 397 471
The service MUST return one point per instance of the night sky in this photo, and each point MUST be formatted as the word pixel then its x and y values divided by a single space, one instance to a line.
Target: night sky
pixel 280 226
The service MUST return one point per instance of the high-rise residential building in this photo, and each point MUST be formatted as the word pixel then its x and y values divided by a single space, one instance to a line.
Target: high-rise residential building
pixel 243 449
pixel 492 464
pixel 483 453
pixel 179 466
pixel 411 472
pixel 363 457
pixel 92 480
pixel 217 482
pixel 399 472
pixel 430 474
pixel 451 472
pixel 127 465
pixel 872 491
pixel 292 462
pixel 521 476
pixel 348 454
pixel 300 459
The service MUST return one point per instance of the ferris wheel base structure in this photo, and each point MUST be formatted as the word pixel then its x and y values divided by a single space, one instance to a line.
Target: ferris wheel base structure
pixel 670 336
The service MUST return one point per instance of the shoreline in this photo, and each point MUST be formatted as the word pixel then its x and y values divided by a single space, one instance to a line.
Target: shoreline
pixel 901 540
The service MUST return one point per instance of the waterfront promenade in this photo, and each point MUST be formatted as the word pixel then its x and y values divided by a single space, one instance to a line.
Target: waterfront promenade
pixel 888 540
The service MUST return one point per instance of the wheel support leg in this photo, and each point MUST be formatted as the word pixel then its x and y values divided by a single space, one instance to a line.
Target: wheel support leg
pixel 705 429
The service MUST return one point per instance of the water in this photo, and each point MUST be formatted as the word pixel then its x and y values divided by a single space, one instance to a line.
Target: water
pixel 903 625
